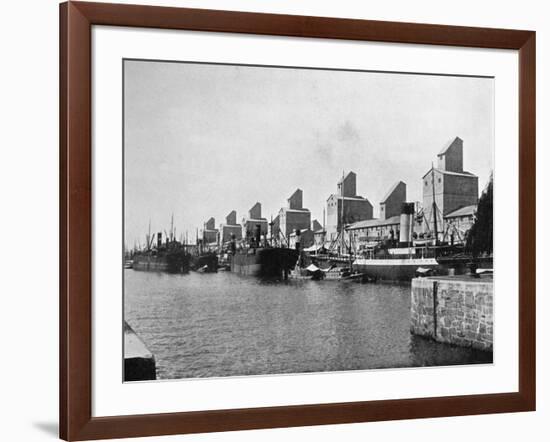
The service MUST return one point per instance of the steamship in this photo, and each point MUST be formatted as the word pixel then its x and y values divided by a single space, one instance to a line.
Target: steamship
pixel 170 256
pixel 409 259
pixel 172 259
pixel 264 261
pixel 398 264
pixel 258 258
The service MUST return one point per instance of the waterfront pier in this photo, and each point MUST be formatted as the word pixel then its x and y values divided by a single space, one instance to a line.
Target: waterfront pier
pixel 455 310
pixel 139 362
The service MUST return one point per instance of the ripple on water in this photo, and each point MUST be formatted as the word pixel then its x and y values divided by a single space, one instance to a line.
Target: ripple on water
pixel 222 324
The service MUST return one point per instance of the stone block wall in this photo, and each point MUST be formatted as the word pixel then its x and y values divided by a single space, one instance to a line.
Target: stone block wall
pixel 454 311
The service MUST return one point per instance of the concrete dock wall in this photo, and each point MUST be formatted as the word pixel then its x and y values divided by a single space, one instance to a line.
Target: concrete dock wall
pixel 453 310
pixel 139 363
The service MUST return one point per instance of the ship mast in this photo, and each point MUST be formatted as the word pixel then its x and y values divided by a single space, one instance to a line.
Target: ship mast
pixel 271 231
pixel 343 243
pixel 149 236
pixel 172 228
pixel 324 231
pixel 434 206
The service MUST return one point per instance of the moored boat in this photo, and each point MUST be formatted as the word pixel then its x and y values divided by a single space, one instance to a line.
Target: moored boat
pixel 170 256
pixel 395 269
pixel 206 262
pixel 173 260
pixel 264 261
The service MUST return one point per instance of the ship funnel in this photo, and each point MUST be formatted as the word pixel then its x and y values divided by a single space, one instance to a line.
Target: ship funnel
pixel 406 224
pixel 258 234
pixel 159 240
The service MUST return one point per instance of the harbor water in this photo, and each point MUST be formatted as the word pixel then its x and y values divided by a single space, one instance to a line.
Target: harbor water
pixel 223 324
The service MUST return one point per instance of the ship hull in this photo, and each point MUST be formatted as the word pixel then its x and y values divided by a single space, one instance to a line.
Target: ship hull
pixel 171 263
pixel 268 262
pixel 150 263
pixel 206 263
pixel 394 269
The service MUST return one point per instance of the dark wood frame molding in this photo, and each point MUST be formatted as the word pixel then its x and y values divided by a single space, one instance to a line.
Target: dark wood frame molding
pixel 76 20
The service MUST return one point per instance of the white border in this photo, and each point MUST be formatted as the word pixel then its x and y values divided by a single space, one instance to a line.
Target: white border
pixel 112 397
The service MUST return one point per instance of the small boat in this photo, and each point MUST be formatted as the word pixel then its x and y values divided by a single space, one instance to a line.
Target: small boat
pixel 424 271
pixel 335 273
pixel 205 262
pixel 309 272
pixel 128 264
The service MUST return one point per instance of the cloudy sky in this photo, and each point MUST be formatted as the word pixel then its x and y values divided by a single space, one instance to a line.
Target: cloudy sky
pixel 203 139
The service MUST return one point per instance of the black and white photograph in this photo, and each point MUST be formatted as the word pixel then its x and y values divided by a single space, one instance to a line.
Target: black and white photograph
pixel 235 220
pixel 289 220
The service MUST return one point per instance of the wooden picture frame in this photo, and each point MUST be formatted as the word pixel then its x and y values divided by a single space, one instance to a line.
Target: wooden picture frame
pixel 76 21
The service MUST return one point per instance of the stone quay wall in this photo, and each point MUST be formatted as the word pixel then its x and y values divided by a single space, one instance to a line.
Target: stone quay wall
pixel 139 362
pixel 455 311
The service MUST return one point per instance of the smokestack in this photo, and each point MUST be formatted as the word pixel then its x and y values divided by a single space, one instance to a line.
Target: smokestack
pixel 406 224
pixel 258 233
pixel 159 240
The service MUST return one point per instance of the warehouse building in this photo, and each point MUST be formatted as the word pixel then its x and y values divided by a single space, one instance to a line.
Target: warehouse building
pixel 210 233
pixel 458 222
pixel 230 228
pixel 346 207
pixel 254 221
pixel 294 215
pixel 452 186
pixel 395 197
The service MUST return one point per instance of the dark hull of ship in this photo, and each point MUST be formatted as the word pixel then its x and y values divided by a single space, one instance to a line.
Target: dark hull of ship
pixel 177 263
pixel 394 269
pixel 268 262
pixel 207 262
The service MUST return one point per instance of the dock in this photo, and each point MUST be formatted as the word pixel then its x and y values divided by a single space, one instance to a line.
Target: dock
pixel 455 310
pixel 139 362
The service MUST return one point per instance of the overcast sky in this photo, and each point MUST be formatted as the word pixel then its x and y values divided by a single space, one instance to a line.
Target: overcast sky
pixel 202 139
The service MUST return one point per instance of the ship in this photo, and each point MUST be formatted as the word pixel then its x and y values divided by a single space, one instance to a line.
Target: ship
pixel 398 264
pixel 171 256
pixel 259 258
pixel 403 259
pixel 264 261
pixel 173 259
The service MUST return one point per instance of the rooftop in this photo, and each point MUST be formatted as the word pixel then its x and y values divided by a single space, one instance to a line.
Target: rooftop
pixel 447 172
pixel 350 198
pixel 392 189
pixel 392 220
pixel 463 211
pixel 286 209
pixel 261 220
pixel 448 146
pixel 350 173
